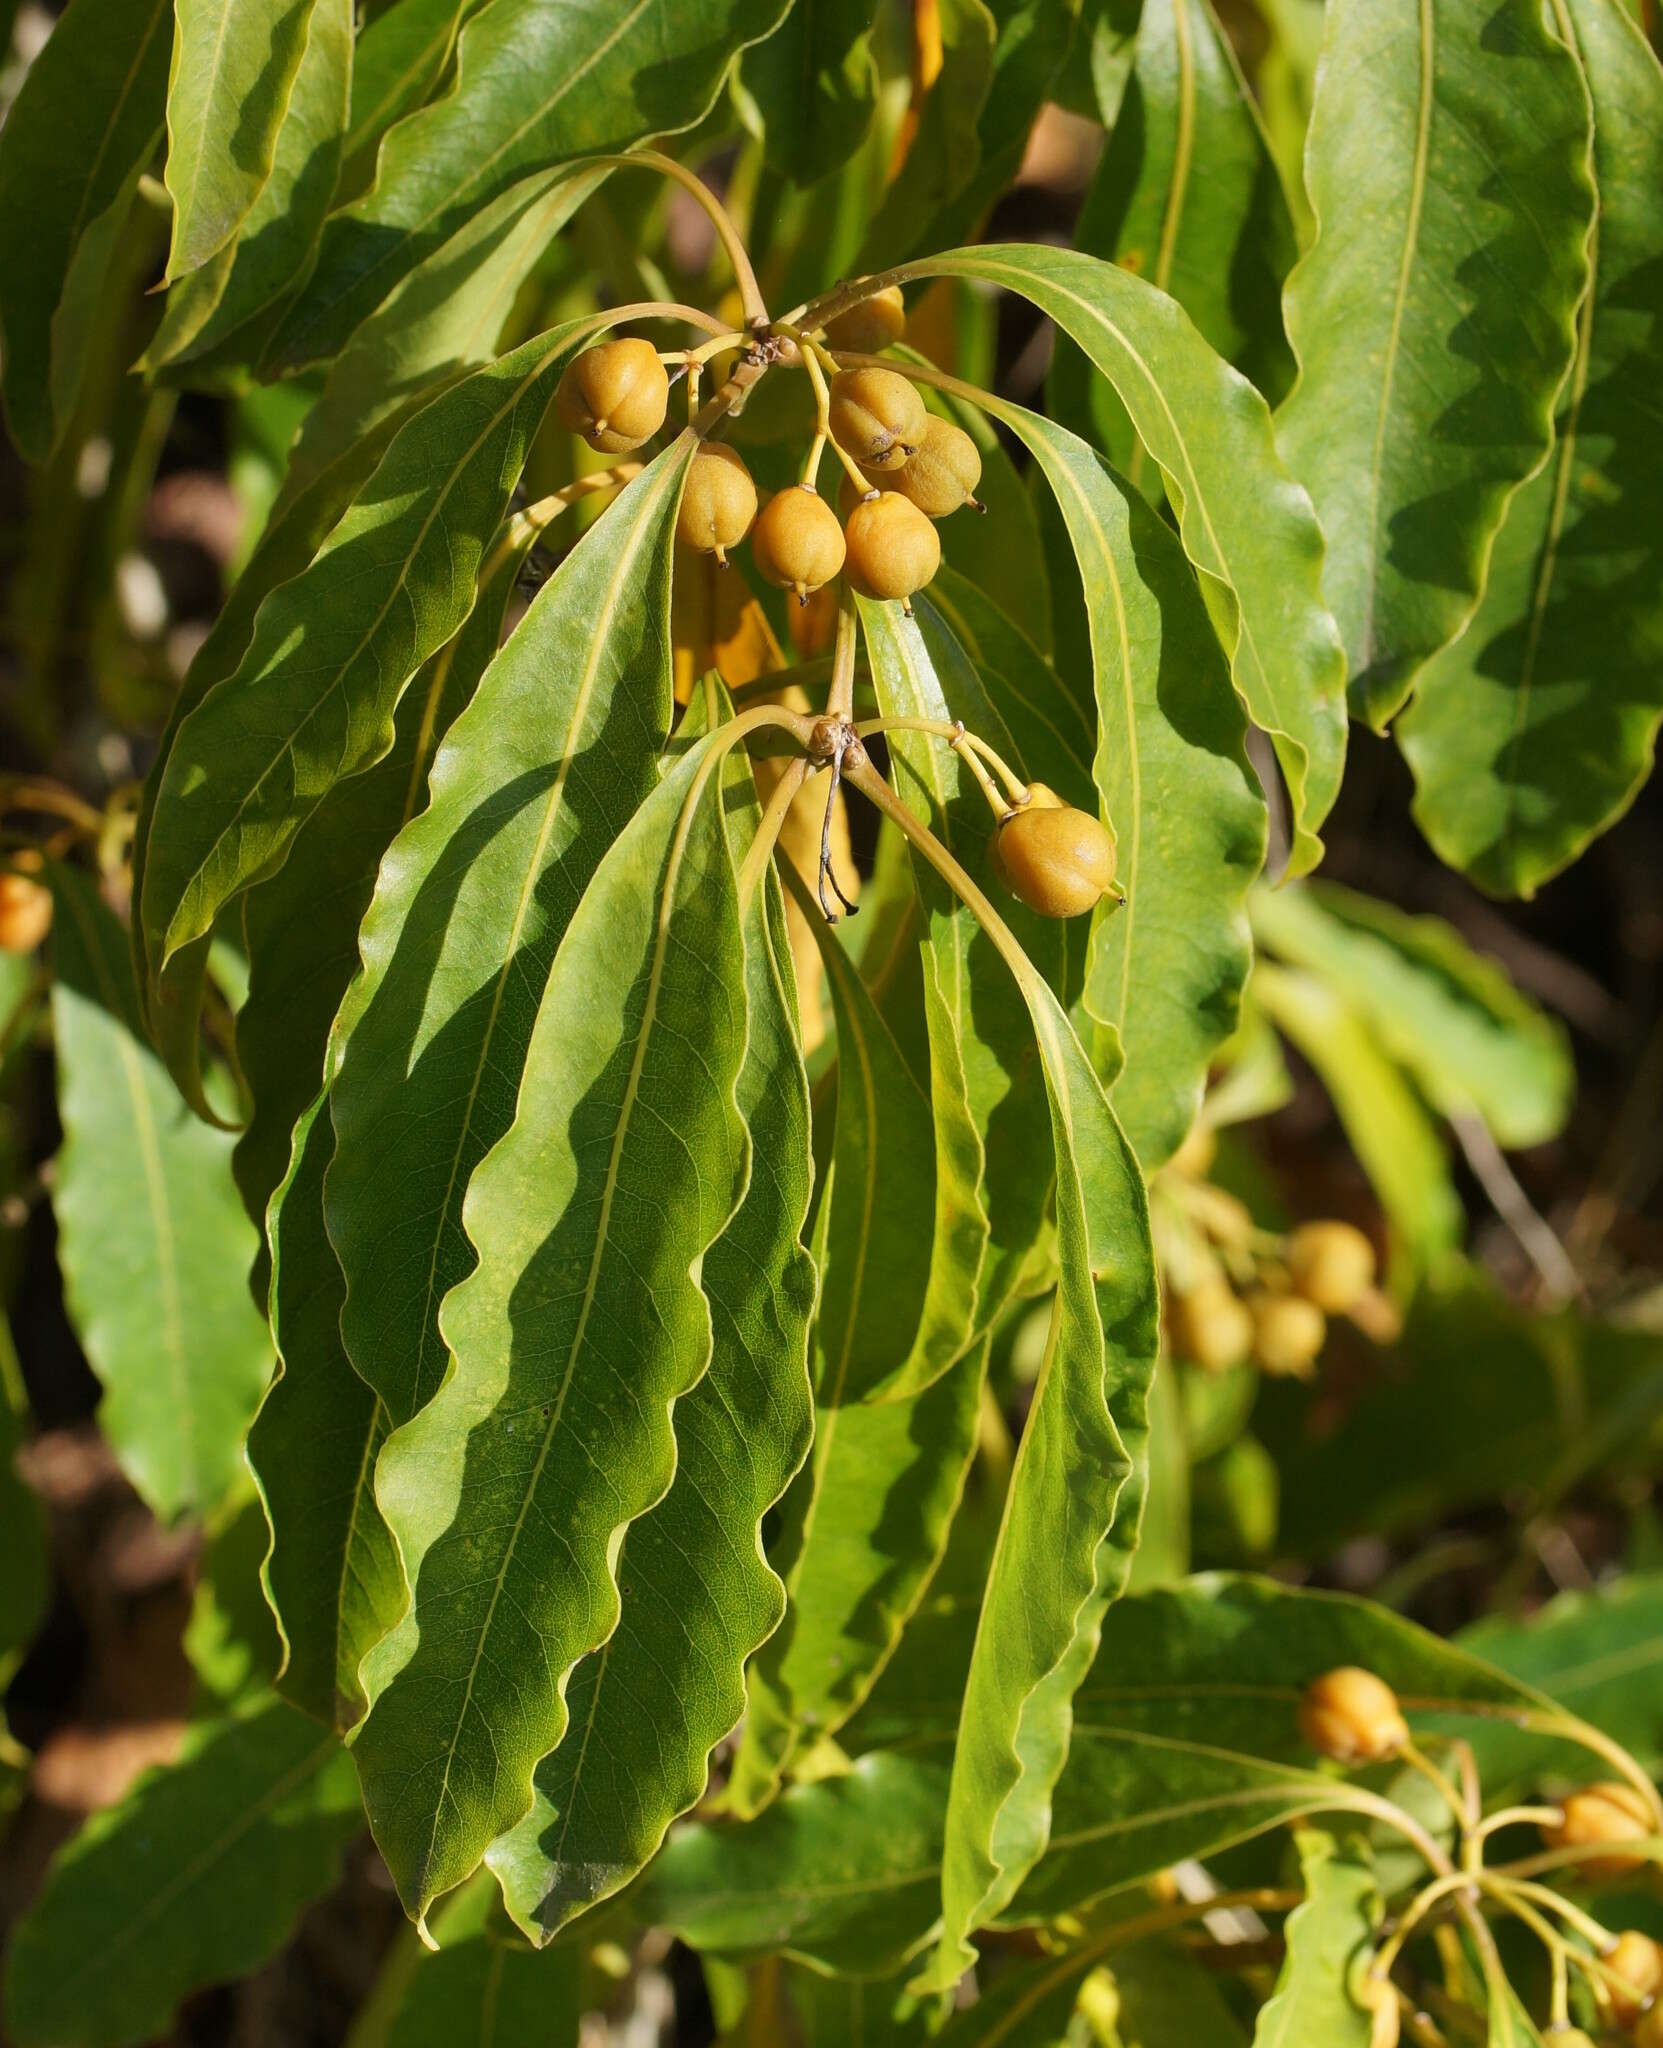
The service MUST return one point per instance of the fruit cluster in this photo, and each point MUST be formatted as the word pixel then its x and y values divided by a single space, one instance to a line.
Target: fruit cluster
pixel 1236 1292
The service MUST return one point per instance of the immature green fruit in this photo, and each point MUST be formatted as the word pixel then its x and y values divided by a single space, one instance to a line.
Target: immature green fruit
pixel 893 548
pixel 719 503
pixel 1053 858
pixel 941 473
pixel 1288 1332
pixel 1351 1717
pixel 615 395
pixel 870 326
pixel 1331 1264
pixel 877 416
pixel 1638 1960
pixel 1211 1326
pixel 797 542
pixel 1606 1812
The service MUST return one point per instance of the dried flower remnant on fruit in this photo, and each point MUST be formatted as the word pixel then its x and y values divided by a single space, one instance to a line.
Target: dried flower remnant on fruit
pixel 1602 1813
pixel 1057 860
pixel 1351 1717
pixel 796 542
pixel 872 325
pixel 893 550
pixel 615 395
pixel 1211 1326
pixel 1288 1332
pixel 941 473
pixel 1331 1264
pixel 877 416
pixel 719 502
pixel 1638 1960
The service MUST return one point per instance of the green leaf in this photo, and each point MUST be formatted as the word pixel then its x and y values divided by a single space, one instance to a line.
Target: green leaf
pixel 537 82
pixel 1167 1995
pixel 399 58
pixel 266 257
pixel 1071 1517
pixel 843 1875
pixel 1187 196
pixel 815 82
pixel 1166 971
pixel 1244 522
pixel 945 148
pixel 1386 1122
pixel 1326 1937
pixel 999 560
pixel 485 1985
pixel 151 1237
pixel 231 1638
pixel 646 1710
pixel 1162 1996
pixel 85 123
pixel 850 2012
pixel 1434 317
pixel 195 1877
pixel 581 1325
pixel 313 696
pixel 233 70
pixel 1534 732
pixel 559 745
pixel 25 1584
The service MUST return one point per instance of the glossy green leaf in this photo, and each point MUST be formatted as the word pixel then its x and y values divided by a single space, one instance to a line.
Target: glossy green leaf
pixel 1534 732
pixel 313 696
pixel 945 148
pixel 537 82
pixel 844 1875
pixel 1388 1125
pixel 1187 196
pixel 1327 1938
pixel 559 745
pixel 1000 557
pixel 1071 1517
pixel 400 57
pixel 233 70
pixel 196 1876
pixel 84 126
pixel 816 84
pixel 1165 973
pixel 646 1710
pixel 1447 1015
pixel 267 255
pixel 1434 317
pixel 485 1985
pixel 151 1237
pixel 1245 523
pixel 581 1325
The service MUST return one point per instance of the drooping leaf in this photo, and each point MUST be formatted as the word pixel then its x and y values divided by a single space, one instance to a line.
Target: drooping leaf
pixel 1245 523
pixel 537 82
pixel 197 1876
pixel 943 144
pixel 843 1875
pixel 233 70
pixel 485 1985
pixel 151 1237
pixel 1450 1017
pixel 208 308
pixel 84 126
pixel 1165 972
pixel 1386 1122
pixel 399 58
pixel 579 1328
pixel 646 1709
pixel 1001 557
pixel 559 745
pixel 815 82
pixel 1186 195
pixel 1434 316
pixel 1327 1936
pixel 1534 731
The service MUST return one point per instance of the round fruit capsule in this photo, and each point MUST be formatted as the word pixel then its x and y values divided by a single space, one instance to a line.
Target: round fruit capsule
pixel 1331 1264
pixel 893 548
pixel 615 395
pixel 1211 1326
pixel 719 503
pixel 1638 1960
pixel 25 913
pixel 873 324
pixel 877 416
pixel 1288 1332
pixel 942 472
pixel 797 542
pixel 1607 1812
pixel 1351 1717
pixel 1057 860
